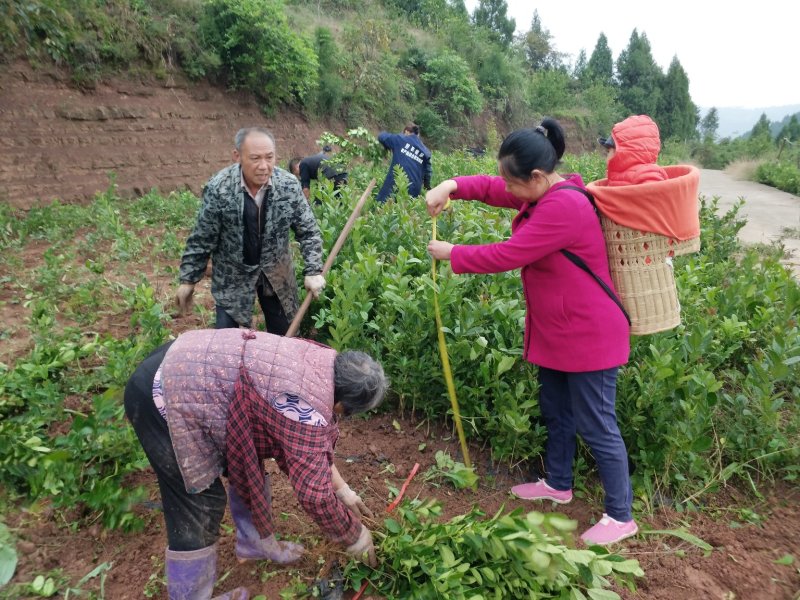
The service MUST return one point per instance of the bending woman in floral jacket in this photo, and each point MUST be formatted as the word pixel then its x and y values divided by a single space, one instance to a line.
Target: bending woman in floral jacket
pixel 574 331
pixel 218 402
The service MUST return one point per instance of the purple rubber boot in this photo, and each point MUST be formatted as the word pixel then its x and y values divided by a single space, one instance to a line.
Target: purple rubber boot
pixel 191 576
pixel 249 543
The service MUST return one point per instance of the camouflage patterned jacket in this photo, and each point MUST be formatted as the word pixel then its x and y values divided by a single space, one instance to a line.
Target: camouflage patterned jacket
pixel 218 234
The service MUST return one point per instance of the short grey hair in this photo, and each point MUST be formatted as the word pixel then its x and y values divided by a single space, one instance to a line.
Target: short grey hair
pixel 359 381
pixel 240 136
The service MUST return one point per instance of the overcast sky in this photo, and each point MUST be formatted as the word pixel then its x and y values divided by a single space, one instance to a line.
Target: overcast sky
pixel 736 54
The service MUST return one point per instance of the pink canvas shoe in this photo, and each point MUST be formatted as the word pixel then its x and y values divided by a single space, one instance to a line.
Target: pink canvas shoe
pixel 609 531
pixel 539 490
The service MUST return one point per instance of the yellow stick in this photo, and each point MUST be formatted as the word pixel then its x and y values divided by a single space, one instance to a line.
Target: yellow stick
pixel 448 374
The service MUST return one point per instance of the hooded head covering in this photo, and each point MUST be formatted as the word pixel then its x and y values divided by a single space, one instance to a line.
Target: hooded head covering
pixel 637 144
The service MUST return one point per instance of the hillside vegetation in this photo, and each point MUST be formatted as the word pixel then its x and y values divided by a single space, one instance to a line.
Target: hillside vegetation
pixel 360 61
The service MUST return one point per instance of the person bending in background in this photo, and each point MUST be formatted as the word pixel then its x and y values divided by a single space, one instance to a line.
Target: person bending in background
pixel 412 156
pixel 308 168
pixel 218 402
pixel 243 225
pixel 574 331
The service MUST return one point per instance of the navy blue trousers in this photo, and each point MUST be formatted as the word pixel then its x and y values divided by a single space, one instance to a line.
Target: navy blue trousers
pixel 583 403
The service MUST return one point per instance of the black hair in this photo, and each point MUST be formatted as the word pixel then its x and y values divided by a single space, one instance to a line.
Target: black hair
pixel 294 162
pixel 412 128
pixel 327 148
pixel 539 147
pixel 358 381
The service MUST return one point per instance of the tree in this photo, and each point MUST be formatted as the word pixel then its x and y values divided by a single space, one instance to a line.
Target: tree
pixel 601 63
pixel 605 109
pixel 790 131
pixel 760 139
pixel 538 47
pixel 492 15
pixel 551 91
pixel 579 70
pixel 258 50
pixel 677 115
pixel 452 88
pixel 639 77
pixel 709 125
pixel 761 128
pixel 331 85
pixel 459 9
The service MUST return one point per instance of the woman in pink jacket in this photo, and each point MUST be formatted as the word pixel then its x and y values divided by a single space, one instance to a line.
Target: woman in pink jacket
pixel 574 329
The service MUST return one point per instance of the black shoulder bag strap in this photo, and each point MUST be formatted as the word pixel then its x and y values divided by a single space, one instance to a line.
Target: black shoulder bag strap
pixel 578 261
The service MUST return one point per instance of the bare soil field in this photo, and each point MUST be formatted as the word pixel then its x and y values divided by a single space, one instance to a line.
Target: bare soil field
pixel 748 535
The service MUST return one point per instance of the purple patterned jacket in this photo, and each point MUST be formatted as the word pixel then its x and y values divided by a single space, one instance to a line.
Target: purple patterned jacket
pixel 199 378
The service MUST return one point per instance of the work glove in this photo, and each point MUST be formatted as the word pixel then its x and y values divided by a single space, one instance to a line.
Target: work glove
pixel 314 284
pixel 268 548
pixel 363 549
pixel 353 501
pixel 185 298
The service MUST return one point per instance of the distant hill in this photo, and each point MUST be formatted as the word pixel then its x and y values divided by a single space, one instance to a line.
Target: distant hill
pixel 735 122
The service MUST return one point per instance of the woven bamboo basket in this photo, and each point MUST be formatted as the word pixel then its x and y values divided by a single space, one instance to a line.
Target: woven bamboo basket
pixel 641 269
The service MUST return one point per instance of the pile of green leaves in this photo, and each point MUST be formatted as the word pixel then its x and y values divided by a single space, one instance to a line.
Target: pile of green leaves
pixel 514 555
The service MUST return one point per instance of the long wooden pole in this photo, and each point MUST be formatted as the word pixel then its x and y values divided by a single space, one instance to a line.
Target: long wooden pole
pixel 331 257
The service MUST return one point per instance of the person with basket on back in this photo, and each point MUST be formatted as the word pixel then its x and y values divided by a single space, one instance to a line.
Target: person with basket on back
pixel 575 330
pixel 649 214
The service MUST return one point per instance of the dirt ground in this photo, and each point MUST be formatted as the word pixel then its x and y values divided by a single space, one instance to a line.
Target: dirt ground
pixel 381 451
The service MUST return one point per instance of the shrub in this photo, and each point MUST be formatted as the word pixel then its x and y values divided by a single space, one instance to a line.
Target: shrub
pixel 782 175
pixel 259 52
pixel 451 87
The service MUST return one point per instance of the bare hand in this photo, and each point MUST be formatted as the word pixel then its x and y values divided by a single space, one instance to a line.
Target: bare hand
pixel 185 298
pixel 440 250
pixel 437 198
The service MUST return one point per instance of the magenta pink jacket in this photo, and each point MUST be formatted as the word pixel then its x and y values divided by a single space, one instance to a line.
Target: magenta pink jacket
pixel 571 323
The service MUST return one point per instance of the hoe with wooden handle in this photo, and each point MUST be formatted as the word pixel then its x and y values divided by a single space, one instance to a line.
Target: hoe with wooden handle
pixel 331 257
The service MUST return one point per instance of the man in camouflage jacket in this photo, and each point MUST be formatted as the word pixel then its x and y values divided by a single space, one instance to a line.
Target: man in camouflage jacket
pixel 243 226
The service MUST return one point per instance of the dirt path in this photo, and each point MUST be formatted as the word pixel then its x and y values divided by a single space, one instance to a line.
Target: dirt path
pixel 772 215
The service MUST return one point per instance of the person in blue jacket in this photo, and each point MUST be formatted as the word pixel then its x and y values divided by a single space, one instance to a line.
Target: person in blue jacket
pixel 414 158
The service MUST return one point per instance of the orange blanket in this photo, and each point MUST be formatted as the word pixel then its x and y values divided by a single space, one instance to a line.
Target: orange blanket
pixel 666 207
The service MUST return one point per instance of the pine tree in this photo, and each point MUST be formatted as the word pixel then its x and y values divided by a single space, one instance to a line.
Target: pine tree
pixel 761 128
pixel 677 114
pixel 579 70
pixel 601 63
pixel 709 125
pixel 639 77
pixel 790 131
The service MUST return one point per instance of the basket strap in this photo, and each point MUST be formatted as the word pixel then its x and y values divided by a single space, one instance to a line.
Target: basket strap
pixel 578 261
pixel 586 193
